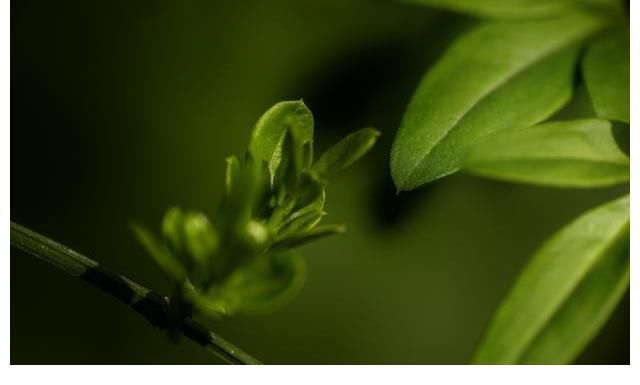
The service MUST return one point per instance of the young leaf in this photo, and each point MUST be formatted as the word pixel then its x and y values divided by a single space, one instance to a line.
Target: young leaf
pixel 344 153
pixel 258 288
pixel 270 131
pixel 314 234
pixel 497 76
pixel 565 293
pixel 231 176
pixel 576 153
pixel 159 252
pixel 606 73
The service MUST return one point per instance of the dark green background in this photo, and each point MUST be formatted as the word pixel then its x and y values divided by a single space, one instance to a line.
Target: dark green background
pixel 122 108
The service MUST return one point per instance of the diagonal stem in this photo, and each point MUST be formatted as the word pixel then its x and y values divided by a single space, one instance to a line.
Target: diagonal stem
pixel 149 304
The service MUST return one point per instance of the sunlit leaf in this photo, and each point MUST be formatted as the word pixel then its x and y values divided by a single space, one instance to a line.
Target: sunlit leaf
pixel 606 73
pixel 575 153
pixel 499 75
pixel 344 153
pixel 566 292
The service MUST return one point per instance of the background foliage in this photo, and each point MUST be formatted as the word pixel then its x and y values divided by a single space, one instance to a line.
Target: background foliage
pixel 123 108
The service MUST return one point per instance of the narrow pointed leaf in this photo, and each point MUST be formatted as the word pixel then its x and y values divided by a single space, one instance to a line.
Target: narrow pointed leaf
pixel 565 294
pixel 607 76
pixel 231 176
pixel 497 76
pixel 577 153
pixel 200 237
pixel 160 253
pixel 344 153
pixel 312 235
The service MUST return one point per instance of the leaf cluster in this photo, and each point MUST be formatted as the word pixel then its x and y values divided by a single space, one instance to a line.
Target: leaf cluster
pixel 487 108
pixel 242 261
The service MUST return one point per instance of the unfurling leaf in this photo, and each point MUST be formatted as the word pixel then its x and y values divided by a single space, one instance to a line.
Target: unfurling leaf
pixel 271 130
pixel 606 73
pixel 314 234
pixel 486 81
pixel 344 153
pixel 576 153
pixel 565 294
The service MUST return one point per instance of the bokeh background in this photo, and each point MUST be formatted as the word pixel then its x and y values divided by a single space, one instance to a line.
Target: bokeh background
pixel 123 108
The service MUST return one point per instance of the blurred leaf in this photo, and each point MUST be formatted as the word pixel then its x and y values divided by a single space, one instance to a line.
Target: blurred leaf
pixel 565 293
pixel 606 74
pixel 344 153
pixel 292 159
pixel 173 229
pixel 270 131
pixel 231 176
pixel 484 79
pixel 577 153
pixel 159 252
pixel 269 282
pixel 314 234
pixel 299 223
pixel 201 238
pixel 516 9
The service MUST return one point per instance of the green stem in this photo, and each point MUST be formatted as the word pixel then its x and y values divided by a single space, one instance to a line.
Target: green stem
pixel 149 304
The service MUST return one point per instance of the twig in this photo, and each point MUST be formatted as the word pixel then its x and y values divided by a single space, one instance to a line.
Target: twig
pixel 149 304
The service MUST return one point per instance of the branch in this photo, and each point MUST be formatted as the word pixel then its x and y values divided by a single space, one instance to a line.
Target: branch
pixel 149 304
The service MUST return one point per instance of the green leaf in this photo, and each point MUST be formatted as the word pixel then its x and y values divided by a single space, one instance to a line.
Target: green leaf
pixel 159 252
pixel 271 129
pixel 314 234
pixel 307 211
pixel 606 73
pixel 344 153
pixel 232 173
pixel 500 75
pixel 201 239
pixel 173 229
pixel 576 153
pixel 516 9
pixel 268 283
pixel 565 293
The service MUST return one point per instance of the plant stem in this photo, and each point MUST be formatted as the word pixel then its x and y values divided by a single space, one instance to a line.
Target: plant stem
pixel 149 304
